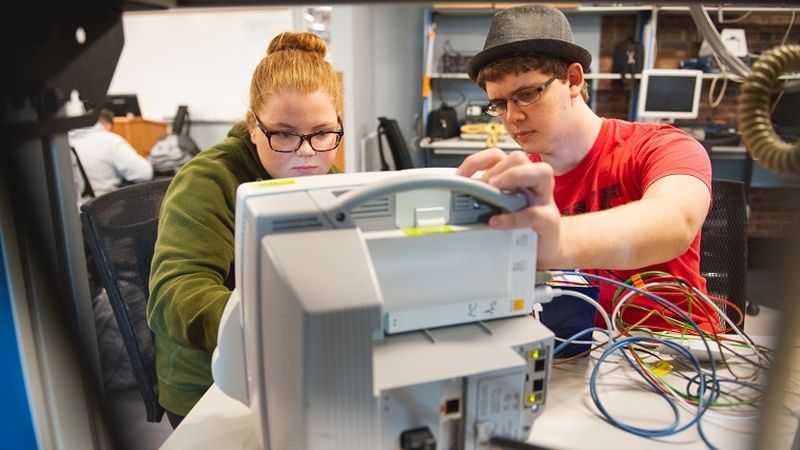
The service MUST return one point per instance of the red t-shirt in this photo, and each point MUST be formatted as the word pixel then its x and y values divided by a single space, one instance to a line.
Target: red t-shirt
pixel 625 159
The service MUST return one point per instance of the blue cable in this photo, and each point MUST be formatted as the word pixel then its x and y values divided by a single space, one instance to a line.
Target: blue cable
pixel 661 301
pixel 722 380
pixel 563 345
pixel 704 378
pixel 645 432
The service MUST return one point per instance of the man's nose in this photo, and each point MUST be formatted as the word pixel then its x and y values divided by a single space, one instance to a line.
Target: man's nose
pixel 514 112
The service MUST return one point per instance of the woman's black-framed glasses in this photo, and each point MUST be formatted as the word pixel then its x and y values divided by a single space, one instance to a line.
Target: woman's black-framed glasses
pixel 522 98
pixel 290 142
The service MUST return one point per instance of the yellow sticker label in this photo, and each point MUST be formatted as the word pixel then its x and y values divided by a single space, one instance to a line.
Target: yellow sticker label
pixel 661 369
pixel 273 183
pixel 422 231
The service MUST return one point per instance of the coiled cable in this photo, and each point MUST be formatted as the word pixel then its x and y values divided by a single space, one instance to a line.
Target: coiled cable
pixel 755 123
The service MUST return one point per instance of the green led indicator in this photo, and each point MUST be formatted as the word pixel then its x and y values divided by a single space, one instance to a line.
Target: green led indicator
pixel 534 354
pixel 531 398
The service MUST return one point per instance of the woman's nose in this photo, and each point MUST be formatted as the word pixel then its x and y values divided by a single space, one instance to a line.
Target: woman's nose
pixel 305 149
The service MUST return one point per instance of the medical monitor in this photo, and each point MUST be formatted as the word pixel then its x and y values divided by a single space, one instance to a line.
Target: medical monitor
pixel 415 302
pixel 667 94
pixel 123 104
pixel 436 262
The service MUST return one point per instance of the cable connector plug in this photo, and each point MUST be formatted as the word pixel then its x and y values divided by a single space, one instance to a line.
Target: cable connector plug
pixel 543 293
pixel 543 276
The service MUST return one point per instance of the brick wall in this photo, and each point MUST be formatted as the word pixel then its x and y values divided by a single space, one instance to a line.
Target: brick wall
pixel 677 38
pixel 775 212
pixel 613 97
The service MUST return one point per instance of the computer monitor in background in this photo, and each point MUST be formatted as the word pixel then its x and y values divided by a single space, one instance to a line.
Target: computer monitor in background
pixel 397 144
pixel 786 115
pixel 667 94
pixel 123 104
pixel 180 124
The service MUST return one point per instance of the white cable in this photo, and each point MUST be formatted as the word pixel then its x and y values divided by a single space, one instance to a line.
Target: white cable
pixel 791 23
pixel 680 401
pixel 713 103
pixel 559 339
pixel 736 329
pixel 543 293
pixel 591 301
pixel 710 33
pixel 721 17
pixel 650 286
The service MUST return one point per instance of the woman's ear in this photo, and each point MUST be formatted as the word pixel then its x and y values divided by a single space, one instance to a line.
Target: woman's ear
pixel 251 126
pixel 576 79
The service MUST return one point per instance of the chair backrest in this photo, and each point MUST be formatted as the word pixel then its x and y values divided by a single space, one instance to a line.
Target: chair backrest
pixel 723 246
pixel 398 146
pixel 121 228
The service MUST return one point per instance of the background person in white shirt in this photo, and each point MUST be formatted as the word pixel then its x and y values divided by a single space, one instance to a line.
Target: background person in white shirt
pixel 107 158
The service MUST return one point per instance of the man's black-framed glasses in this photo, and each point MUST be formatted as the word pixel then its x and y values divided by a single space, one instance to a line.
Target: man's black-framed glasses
pixel 290 142
pixel 524 97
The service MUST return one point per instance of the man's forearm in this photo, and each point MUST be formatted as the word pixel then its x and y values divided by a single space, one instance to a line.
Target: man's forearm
pixel 626 237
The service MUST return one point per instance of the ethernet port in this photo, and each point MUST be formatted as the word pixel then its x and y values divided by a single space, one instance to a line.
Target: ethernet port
pixel 452 406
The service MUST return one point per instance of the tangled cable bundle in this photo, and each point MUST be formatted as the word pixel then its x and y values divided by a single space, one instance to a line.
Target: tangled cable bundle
pixel 658 354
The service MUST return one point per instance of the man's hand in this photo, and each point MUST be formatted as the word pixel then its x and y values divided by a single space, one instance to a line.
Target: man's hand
pixel 515 172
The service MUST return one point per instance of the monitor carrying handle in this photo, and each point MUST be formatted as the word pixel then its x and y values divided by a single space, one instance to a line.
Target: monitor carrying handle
pixel 228 364
pixel 337 213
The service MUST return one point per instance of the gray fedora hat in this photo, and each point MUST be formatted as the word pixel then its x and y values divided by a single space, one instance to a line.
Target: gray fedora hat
pixel 528 29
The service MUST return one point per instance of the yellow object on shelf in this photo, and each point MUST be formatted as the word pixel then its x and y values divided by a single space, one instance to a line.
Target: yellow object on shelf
pixel 492 130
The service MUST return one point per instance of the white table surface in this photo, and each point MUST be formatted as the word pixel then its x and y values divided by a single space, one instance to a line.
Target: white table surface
pixel 570 419
pixel 459 146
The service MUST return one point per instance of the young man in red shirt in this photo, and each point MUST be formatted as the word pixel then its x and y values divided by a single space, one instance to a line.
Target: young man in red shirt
pixel 607 196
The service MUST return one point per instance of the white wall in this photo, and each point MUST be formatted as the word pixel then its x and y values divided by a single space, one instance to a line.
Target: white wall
pixel 200 57
pixel 169 56
pixel 398 34
pixel 379 50
pixel 352 54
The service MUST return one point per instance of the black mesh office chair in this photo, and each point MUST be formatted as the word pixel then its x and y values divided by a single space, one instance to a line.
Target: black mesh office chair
pixel 391 130
pixel 121 228
pixel 723 247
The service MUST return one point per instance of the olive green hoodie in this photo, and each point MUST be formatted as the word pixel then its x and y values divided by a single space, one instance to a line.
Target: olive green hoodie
pixel 191 275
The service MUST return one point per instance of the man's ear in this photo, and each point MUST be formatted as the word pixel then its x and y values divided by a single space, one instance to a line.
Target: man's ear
pixel 576 79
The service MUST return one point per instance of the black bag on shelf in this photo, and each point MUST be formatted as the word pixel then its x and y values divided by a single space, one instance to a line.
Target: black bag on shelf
pixel 442 123
pixel 627 59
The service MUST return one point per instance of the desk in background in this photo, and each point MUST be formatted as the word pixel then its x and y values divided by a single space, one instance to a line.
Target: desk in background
pixel 453 150
pixel 733 163
pixel 140 133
